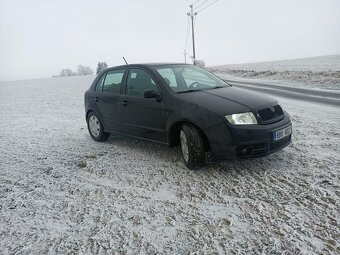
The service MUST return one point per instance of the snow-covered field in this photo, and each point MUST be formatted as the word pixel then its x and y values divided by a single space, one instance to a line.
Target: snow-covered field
pixel 316 72
pixel 61 192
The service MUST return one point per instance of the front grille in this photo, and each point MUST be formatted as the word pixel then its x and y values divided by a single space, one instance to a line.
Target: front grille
pixel 270 113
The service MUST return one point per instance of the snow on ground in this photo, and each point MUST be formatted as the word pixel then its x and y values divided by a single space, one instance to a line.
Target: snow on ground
pixel 317 72
pixel 61 192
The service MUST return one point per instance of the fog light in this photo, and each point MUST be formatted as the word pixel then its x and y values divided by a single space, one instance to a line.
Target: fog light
pixel 246 150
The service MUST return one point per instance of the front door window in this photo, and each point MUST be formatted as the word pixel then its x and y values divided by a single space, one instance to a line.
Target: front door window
pixel 138 82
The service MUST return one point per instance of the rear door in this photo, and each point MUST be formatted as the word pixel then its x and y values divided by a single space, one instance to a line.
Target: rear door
pixel 142 117
pixel 107 99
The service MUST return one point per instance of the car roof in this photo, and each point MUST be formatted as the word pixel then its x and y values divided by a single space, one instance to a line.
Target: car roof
pixel 165 64
pixel 149 64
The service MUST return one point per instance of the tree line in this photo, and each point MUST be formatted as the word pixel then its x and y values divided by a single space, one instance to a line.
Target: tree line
pixel 82 70
pixel 85 70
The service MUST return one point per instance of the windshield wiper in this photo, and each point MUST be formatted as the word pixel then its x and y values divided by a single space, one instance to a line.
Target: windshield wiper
pixel 190 90
pixel 218 87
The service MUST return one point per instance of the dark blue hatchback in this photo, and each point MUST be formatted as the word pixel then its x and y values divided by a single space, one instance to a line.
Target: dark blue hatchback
pixel 181 104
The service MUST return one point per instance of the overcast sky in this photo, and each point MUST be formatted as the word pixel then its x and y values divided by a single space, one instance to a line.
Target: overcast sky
pixel 38 38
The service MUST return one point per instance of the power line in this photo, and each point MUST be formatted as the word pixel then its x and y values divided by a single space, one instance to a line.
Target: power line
pixel 192 14
pixel 206 6
pixel 201 4
pixel 196 2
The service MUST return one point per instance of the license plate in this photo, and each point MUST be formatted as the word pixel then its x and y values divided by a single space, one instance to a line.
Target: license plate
pixel 278 135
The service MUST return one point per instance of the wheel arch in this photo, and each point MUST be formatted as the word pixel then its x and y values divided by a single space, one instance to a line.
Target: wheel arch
pixel 98 115
pixel 92 110
pixel 174 130
pixel 87 113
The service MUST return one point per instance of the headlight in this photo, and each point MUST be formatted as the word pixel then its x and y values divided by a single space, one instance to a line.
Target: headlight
pixel 247 118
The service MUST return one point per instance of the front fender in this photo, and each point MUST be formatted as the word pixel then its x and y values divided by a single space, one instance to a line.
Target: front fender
pixel 210 123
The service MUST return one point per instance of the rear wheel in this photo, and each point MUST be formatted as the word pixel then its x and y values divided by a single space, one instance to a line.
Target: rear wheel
pixel 192 146
pixel 96 128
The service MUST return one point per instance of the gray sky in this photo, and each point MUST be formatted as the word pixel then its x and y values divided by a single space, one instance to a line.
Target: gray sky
pixel 38 38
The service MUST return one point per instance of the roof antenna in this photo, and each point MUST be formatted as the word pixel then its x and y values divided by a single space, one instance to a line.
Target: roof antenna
pixel 125 61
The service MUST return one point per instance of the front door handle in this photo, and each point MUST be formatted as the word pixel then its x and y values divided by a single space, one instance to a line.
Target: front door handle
pixel 124 103
pixel 95 99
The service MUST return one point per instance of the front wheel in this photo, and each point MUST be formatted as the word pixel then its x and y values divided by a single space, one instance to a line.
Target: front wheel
pixel 192 146
pixel 96 128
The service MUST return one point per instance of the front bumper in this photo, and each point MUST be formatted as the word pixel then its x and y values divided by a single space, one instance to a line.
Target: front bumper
pixel 239 142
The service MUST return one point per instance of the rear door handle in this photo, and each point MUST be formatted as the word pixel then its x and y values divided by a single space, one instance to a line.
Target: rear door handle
pixel 124 103
pixel 95 99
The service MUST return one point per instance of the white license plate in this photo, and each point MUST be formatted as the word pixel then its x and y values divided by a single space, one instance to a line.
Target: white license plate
pixel 278 135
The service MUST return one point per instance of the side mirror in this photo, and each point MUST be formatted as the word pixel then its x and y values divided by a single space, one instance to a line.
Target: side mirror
pixel 152 94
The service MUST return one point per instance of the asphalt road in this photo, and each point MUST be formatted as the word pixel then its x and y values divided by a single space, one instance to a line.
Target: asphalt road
pixel 317 96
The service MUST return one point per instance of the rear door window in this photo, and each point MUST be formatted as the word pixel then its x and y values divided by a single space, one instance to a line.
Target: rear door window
pixel 113 81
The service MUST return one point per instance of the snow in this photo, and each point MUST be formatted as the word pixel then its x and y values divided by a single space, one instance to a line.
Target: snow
pixel 62 192
pixel 317 72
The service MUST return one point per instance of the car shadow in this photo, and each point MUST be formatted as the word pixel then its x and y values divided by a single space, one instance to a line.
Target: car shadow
pixel 172 156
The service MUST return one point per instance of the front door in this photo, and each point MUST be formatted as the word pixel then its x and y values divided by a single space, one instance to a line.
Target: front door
pixel 142 117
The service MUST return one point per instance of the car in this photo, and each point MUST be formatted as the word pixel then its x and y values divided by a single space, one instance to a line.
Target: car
pixel 182 104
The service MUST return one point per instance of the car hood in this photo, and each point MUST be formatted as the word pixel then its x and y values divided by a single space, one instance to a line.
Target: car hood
pixel 229 100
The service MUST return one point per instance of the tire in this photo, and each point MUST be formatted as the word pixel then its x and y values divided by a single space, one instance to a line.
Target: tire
pixel 192 146
pixel 96 128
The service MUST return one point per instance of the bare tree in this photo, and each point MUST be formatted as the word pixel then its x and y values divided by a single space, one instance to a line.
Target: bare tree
pixel 84 70
pixel 199 63
pixel 66 72
pixel 101 66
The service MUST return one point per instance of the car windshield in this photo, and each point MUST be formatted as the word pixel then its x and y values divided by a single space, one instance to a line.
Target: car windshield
pixel 189 78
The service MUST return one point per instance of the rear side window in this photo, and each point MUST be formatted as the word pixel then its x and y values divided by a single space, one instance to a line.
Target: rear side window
pixel 99 86
pixel 112 82
pixel 139 81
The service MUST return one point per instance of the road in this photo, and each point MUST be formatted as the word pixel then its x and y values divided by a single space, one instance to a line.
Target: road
pixel 317 95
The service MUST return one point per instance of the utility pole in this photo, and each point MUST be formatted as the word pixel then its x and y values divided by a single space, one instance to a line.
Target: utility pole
pixel 185 56
pixel 192 14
